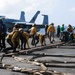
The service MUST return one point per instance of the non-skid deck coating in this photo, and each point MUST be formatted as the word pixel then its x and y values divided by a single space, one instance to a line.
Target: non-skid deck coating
pixel 59 58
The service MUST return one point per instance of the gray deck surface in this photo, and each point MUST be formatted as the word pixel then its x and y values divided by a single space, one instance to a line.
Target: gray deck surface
pixel 61 50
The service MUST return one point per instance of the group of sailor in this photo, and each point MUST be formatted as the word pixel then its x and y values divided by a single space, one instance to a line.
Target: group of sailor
pixel 18 38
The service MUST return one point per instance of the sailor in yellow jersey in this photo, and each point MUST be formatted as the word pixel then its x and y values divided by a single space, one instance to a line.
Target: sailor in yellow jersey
pixel 13 39
pixel 42 39
pixel 24 37
pixel 50 32
pixel 9 36
pixel 33 34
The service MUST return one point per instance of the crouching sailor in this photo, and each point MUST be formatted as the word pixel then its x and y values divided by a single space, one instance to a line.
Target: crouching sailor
pixel 24 37
pixel 13 40
pixel 41 39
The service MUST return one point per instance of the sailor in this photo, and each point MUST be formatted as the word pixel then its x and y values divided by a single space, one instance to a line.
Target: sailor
pixel 42 38
pixel 61 31
pixel 70 29
pixel 70 32
pixel 33 34
pixel 46 26
pixel 13 39
pixel 2 35
pixel 58 30
pixel 50 32
pixel 24 37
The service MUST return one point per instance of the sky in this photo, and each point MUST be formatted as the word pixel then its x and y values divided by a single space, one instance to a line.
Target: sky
pixel 58 11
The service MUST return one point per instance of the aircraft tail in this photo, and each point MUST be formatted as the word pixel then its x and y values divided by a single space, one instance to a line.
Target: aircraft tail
pixel 34 17
pixel 22 17
pixel 45 20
